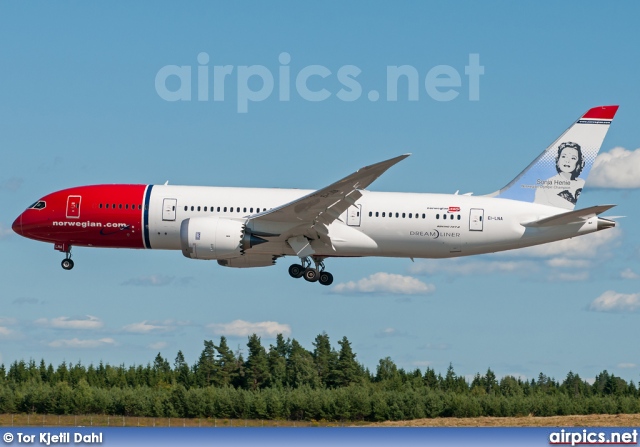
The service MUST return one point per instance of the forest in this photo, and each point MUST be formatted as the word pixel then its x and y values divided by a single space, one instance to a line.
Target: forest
pixel 288 382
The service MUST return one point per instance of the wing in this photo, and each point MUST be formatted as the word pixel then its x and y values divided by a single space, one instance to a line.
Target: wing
pixel 309 216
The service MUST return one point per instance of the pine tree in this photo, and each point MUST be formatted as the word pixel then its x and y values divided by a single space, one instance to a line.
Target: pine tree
pixel 301 370
pixel 348 370
pixel 277 364
pixel 257 366
pixel 181 370
pixel 325 359
pixel 226 364
pixel 205 367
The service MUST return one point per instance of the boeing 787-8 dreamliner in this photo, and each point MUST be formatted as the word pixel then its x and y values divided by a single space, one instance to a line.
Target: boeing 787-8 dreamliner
pixel 253 227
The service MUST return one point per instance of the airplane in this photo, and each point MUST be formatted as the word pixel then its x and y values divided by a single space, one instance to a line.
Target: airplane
pixel 253 227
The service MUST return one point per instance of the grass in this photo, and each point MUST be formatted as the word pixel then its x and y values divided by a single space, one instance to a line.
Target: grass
pixel 40 420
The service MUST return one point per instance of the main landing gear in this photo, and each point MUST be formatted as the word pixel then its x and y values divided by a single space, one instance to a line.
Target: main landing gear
pixel 311 274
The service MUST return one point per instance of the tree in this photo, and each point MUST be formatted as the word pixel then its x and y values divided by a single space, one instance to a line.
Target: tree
pixel 226 364
pixel 301 370
pixel 325 359
pixel 277 367
pixel 348 370
pixel 205 367
pixel 181 370
pixel 257 366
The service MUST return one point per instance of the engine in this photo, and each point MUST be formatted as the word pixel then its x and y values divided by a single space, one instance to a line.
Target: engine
pixel 215 238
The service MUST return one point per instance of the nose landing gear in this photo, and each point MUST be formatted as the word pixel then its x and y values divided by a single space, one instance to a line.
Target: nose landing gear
pixel 311 274
pixel 66 263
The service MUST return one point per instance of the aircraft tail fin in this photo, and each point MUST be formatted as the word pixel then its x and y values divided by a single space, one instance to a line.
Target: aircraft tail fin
pixel 557 176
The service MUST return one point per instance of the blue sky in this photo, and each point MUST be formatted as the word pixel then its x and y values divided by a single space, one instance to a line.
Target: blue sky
pixel 79 105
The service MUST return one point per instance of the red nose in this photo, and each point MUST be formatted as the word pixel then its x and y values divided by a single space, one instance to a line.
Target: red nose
pixel 17 225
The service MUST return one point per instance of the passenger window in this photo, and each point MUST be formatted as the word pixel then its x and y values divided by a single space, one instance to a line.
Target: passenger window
pixel 403 215
pixel 218 209
pixel 397 215
pixel 192 208
pixel 410 215
pixel 106 206
pixel 100 206
pixel 383 214
pixel 377 214
pixel 251 210
pixel 424 216
pixel 225 209
pixel 458 216
pixel 244 210
pixel 185 208
pixel 198 208
pixel 205 208
pixel 113 206
pixel 126 207
pixel 370 213
pixel 437 216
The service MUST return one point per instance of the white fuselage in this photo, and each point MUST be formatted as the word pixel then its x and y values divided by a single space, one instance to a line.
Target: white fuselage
pixel 379 224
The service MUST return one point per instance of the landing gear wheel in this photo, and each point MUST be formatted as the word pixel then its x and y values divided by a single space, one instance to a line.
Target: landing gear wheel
pixel 311 275
pixel 325 278
pixel 67 264
pixel 296 271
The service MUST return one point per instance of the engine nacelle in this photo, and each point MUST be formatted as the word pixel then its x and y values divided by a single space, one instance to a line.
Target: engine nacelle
pixel 215 238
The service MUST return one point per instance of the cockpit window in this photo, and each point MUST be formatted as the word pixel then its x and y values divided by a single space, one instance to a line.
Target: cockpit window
pixel 40 204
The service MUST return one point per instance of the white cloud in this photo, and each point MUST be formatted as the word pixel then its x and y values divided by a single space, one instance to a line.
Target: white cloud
pixel 586 246
pixel 618 168
pixel 90 322
pixel 611 301
pixel 158 345
pixel 386 283
pixel 564 276
pixel 241 328
pixel 458 266
pixel 151 280
pixel 627 365
pixel 5 231
pixel 82 344
pixel 13 184
pixel 389 332
pixel 144 327
pixel 5 331
pixel 421 363
pixel 23 300
pixel 568 263
pixel 436 346
pixel 629 274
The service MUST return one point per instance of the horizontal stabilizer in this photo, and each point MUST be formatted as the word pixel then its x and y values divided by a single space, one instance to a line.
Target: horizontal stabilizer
pixel 570 217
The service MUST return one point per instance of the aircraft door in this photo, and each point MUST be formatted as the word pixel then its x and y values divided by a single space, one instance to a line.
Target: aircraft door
pixel 73 207
pixel 354 215
pixel 169 209
pixel 476 218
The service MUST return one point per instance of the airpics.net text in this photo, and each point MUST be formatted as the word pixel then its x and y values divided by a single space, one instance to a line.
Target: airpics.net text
pixel 256 83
